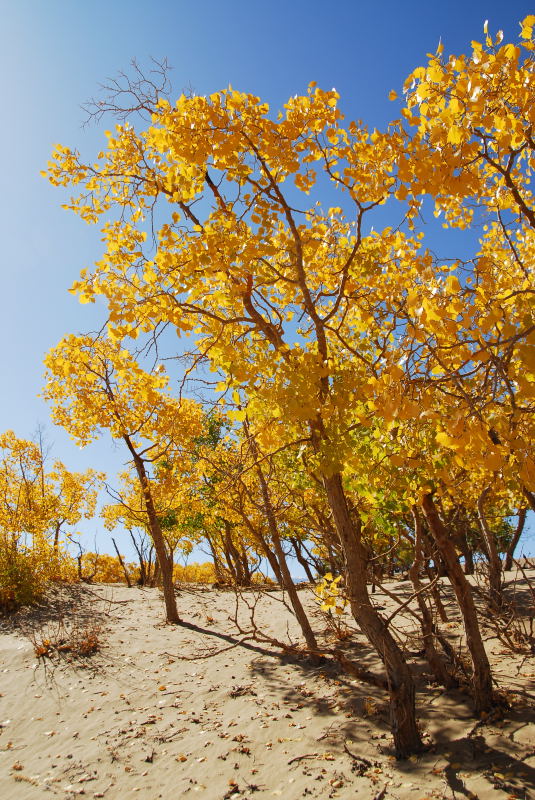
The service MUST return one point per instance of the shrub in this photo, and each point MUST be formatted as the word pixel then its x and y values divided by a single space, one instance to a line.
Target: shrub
pixel 27 569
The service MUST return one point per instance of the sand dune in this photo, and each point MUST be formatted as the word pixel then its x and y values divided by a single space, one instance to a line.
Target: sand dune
pixel 184 711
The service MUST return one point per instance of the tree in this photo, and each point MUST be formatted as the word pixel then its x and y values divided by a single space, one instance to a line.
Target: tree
pixel 238 275
pixel 35 505
pixel 95 385
pixel 333 334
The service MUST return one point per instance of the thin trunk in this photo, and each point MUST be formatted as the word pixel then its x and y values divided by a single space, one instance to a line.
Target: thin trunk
pixel 468 555
pixel 302 560
pixel 121 562
pixel 231 569
pixel 438 667
pixel 407 738
pixel 530 497
pixel 143 578
pixel 156 579
pixel 289 586
pixel 430 552
pixel 463 529
pixel 376 575
pixel 334 566
pixel 165 563
pixel 245 566
pixel 233 556
pixel 494 561
pixel 263 545
pixel 330 540
pixel 312 560
pixel 273 563
pixel 516 538
pixel 151 563
pixel 287 581
pixel 482 676
pixel 218 569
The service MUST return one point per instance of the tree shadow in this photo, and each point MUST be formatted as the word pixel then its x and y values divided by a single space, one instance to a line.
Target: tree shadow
pixel 503 770
pixel 311 682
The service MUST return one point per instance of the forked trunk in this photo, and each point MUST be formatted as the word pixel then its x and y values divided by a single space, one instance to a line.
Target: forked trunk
pixel 123 565
pixel 218 569
pixel 287 580
pixel 437 665
pixel 468 554
pixel 273 563
pixel 494 561
pixel 407 738
pixel 482 676
pixel 263 546
pixel 515 539
pixel 234 559
pixel 302 560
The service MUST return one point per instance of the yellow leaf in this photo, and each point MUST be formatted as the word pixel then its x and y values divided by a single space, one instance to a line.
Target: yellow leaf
pixel 511 51
pixel 430 312
pixel 493 461
pixel 527 27
pixel 452 284
pixel 446 440
pixel 455 134
pixel 435 73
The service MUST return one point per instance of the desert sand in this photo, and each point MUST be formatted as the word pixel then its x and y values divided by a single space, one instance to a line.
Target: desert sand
pixel 163 711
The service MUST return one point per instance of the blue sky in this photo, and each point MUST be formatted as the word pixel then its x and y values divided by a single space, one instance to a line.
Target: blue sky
pixel 55 53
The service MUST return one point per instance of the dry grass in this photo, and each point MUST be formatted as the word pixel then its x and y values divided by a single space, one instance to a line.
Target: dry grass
pixel 76 637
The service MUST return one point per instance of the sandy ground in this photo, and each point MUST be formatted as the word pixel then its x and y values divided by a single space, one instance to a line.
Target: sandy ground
pixel 184 711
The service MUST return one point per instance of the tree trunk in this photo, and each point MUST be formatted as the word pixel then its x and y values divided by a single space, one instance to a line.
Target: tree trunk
pixel 516 538
pixel 273 563
pixel 313 561
pixel 494 561
pixel 482 676
pixel 156 579
pixel 233 557
pixel 407 738
pixel 287 581
pixel 468 555
pixel 218 569
pixel 462 541
pixel 166 563
pixel 331 541
pixel 142 580
pixel 530 497
pixel 438 667
pixel 245 566
pixel 121 562
pixel 430 548
pixel 302 560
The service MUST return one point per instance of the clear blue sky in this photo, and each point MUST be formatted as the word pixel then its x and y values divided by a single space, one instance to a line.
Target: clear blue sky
pixel 54 54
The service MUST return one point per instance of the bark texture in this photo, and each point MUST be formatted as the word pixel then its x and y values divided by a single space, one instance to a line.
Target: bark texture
pixel 164 561
pixel 287 581
pixel 481 672
pixel 436 663
pixel 407 739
